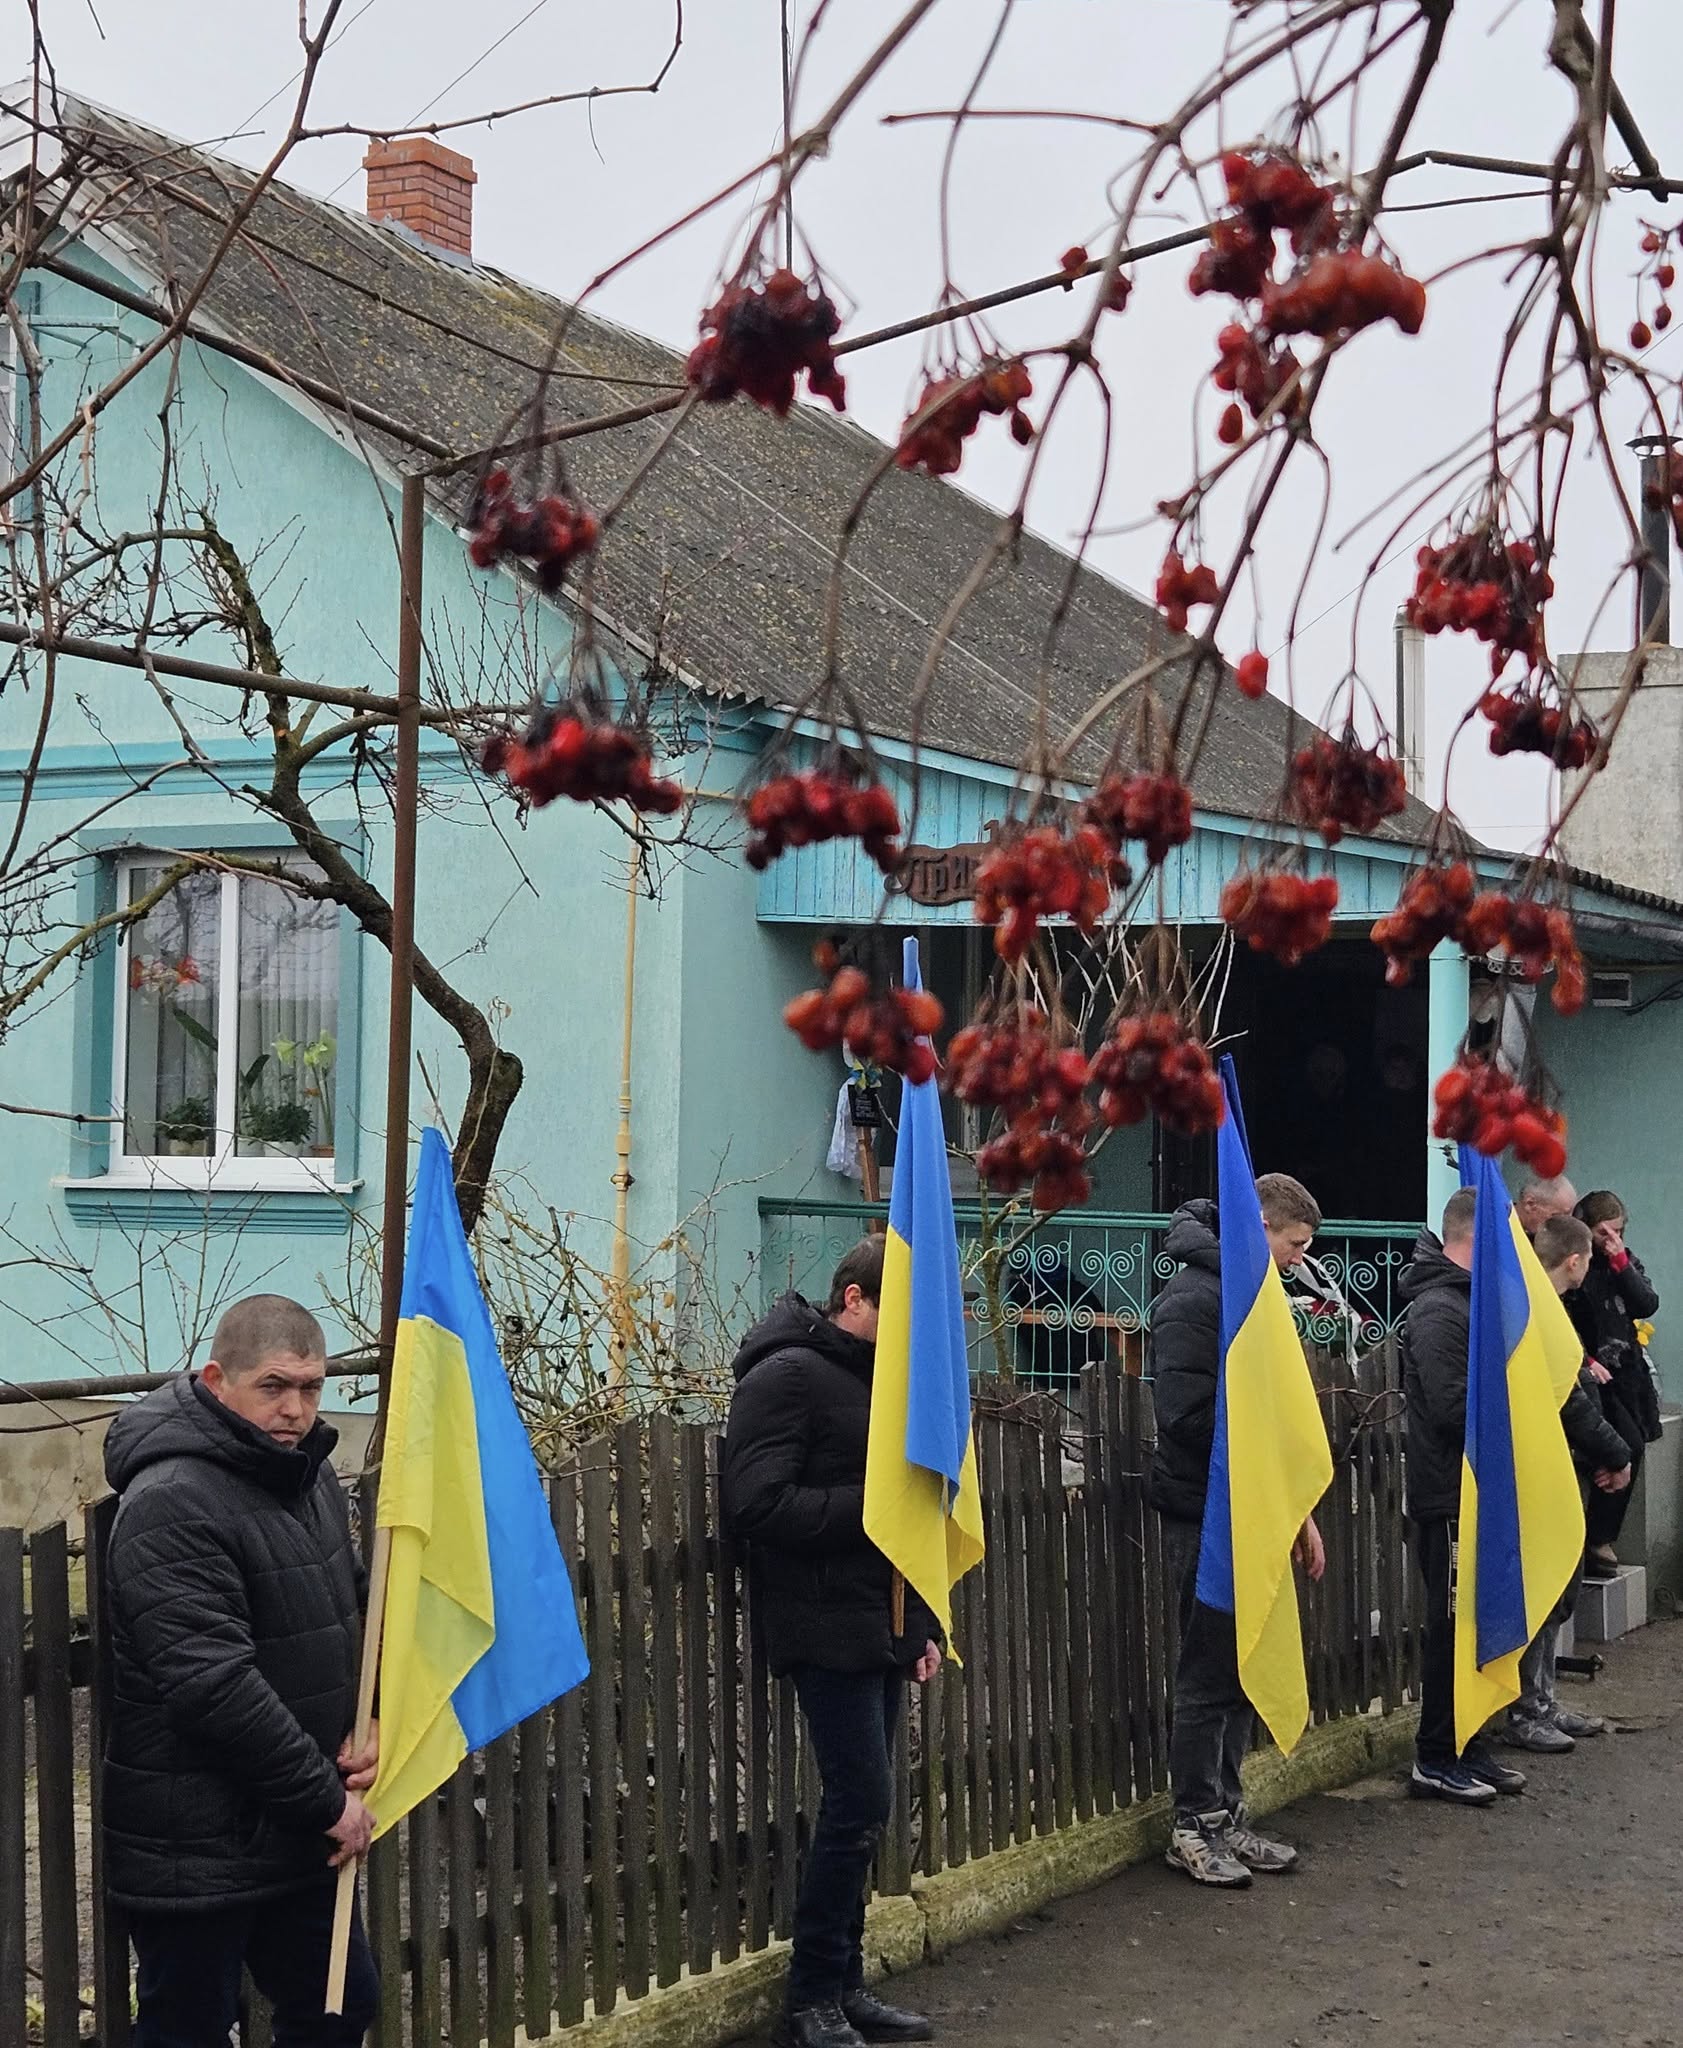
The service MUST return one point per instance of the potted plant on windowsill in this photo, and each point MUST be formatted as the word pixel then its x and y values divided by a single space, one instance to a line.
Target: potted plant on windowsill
pixel 185 1131
pixel 282 1129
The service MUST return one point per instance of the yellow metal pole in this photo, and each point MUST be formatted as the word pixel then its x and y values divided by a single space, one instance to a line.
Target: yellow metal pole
pixel 620 1343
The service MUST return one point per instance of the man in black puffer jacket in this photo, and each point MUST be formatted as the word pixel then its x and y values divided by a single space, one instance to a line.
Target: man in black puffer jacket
pixel 792 1474
pixel 1213 1723
pixel 235 1599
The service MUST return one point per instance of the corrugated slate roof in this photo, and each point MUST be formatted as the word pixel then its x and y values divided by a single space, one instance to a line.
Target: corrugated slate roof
pixel 723 560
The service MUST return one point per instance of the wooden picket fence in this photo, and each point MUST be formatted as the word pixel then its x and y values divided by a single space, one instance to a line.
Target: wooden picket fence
pixel 652 1822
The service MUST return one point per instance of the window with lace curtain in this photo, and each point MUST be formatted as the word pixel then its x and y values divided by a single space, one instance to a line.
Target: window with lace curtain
pixel 226 1043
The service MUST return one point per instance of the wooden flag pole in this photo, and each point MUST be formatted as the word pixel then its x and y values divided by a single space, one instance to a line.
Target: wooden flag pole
pixel 405 820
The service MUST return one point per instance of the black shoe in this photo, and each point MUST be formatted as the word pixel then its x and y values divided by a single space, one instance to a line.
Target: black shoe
pixel 817 2026
pixel 879 2022
pixel 1489 1769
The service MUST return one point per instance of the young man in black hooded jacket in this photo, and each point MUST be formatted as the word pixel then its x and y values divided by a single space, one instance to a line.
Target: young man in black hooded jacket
pixel 793 1479
pixel 1213 1722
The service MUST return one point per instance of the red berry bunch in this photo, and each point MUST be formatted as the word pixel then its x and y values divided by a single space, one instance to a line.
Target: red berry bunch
pixel 1153 1066
pixel 1277 912
pixel 1476 585
pixel 1267 191
pixel 884 1029
pixel 1339 786
pixel 805 809
pixel 1014 1066
pixel 1251 675
pixel 1478 1105
pixel 569 752
pixel 1432 907
pixel 1522 723
pixel 1254 373
pixel 1342 291
pixel 546 535
pixel 1656 246
pixel 1180 587
pixel 1075 260
pixel 951 409
pixel 1154 808
pixel 759 338
pixel 1536 936
pixel 1043 871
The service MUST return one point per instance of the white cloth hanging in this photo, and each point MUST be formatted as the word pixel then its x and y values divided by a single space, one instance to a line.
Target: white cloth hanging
pixel 844 1145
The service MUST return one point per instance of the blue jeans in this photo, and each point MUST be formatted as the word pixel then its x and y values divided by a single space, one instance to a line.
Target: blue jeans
pixel 1212 1724
pixel 188 1985
pixel 851 1717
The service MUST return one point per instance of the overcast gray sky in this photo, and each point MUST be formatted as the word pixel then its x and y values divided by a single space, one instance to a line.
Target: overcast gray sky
pixel 564 191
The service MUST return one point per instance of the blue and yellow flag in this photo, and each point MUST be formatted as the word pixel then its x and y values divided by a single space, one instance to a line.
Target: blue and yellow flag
pixel 923 1501
pixel 1269 1463
pixel 481 1628
pixel 1522 1517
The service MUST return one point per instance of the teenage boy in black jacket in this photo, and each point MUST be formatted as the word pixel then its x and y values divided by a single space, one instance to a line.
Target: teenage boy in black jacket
pixel 1213 1722
pixel 793 1478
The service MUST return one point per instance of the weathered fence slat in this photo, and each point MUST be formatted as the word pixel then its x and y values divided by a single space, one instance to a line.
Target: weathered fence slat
pixel 1124 1456
pixel 663 1673
pixel 110 1927
pixel 597 1574
pixel 1037 1614
pixel 1017 1638
pixel 55 1785
pixel 1078 1611
pixel 426 1934
pixel 997 1718
pixel 501 1911
pixel 14 1778
pixel 757 1779
pixel 462 1826
pixel 1057 1571
pixel 632 1667
pixel 698 1815
pixel 968 1813
pixel 1161 1606
pixel 1107 1719
pixel 931 1717
pixel 537 1811
pixel 786 1808
pixel 727 1669
pixel 571 1914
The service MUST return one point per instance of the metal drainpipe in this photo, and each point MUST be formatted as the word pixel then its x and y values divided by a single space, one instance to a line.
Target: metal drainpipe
pixel 1410 727
pixel 1653 590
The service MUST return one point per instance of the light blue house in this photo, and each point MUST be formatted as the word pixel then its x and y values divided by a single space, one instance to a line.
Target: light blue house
pixel 214 1082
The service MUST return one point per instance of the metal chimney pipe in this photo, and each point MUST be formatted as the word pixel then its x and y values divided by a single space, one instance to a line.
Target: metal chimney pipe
pixel 1653 590
pixel 1410 725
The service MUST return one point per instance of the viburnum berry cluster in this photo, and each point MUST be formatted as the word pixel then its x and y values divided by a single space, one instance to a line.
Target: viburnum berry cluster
pixel 1433 907
pixel 1475 584
pixel 1662 271
pixel 1152 1065
pixel 1342 291
pixel 950 409
pixel 1043 871
pixel 1075 260
pixel 1256 371
pixel 759 338
pixel 1180 587
pixel 569 751
pixel 1536 937
pixel 1340 785
pixel 820 804
pixel 883 1028
pixel 1477 1104
pixel 1014 1065
pixel 547 534
pixel 1155 808
pixel 1275 911
pixel 1523 722
pixel 1250 672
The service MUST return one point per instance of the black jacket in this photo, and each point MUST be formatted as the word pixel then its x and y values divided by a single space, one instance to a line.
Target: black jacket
pixel 1434 1339
pixel 1604 1312
pixel 792 1475
pixel 1185 1341
pixel 235 1614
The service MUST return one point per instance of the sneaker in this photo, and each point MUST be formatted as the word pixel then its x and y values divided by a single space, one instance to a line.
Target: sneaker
pixel 1452 1782
pixel 817 2026
pixel 1258 1852
pixel 1481 1763
pixel 1202 1849
pixel 1574 1724
pixel 1541 1737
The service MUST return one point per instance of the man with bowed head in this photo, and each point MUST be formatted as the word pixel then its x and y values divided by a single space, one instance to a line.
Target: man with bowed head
pixel 793 1479
pixel 236 1597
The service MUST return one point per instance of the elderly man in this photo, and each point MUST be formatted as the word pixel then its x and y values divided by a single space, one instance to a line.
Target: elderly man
pixel 1541 1199
pixel 235 1605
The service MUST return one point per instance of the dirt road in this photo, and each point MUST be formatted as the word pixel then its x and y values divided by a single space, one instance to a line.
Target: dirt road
pixel 1555 1917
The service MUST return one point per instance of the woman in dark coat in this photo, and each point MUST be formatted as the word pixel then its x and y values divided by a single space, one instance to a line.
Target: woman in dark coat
pixel 1605 1310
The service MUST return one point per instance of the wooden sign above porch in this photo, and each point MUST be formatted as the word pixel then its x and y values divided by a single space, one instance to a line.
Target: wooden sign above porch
pixel 938 874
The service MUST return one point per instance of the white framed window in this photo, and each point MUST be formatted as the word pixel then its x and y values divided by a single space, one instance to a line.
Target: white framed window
pixel 225 1047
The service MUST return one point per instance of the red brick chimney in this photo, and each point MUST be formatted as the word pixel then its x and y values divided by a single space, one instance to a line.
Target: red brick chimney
pixel 420 184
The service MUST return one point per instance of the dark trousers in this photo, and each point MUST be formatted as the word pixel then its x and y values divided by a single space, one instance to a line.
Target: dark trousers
pixel 851 1717
pixel 1213 1724
pixel 1604 1513
pixel 1434 1544
pixel 188 1988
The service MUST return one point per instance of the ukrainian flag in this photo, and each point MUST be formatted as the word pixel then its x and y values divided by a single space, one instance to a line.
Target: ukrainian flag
pixel 923 1502
pixel 1522 1517
pixel 1269 1462
pixel 480 1624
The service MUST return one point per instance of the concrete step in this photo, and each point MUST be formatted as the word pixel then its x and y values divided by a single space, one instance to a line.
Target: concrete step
pixel 1610 1608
